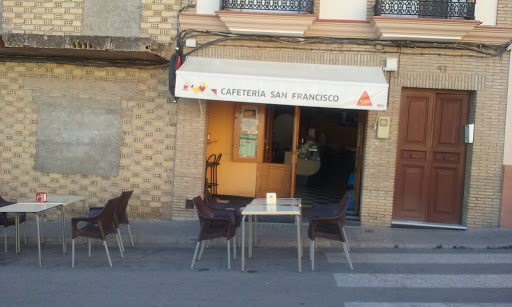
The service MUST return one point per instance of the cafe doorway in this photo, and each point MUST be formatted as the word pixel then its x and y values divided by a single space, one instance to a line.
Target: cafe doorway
pixel 329 155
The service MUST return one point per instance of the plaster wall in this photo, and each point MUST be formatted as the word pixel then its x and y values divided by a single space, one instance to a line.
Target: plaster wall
pixel 507 156
pixel 103 18
pixel 486 11
pixel 234 178
pixel 207 7
pixel 78 135
pixel 343 9
pixel 506 200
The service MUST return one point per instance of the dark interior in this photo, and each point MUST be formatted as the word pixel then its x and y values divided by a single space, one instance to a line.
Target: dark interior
pixel 335 133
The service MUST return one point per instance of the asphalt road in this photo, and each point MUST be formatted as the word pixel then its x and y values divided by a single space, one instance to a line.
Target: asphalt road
pixel 161 276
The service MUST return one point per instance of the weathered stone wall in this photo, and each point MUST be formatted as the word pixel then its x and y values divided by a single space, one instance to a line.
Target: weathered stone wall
pixel 147 18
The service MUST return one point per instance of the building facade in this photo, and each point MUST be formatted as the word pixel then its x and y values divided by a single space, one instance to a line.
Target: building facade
pixel 423 170
pixel 86 108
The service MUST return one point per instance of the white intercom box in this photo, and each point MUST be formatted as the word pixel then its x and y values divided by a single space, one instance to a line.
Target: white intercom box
pixel 468 133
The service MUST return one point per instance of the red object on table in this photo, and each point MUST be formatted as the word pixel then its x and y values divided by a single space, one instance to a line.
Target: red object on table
pixel 41 197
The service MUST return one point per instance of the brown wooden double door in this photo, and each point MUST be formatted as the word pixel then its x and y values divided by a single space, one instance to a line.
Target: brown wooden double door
pixel 431 158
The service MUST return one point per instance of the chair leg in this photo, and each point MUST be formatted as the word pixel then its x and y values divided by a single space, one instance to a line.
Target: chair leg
pixel 234 247
pixel 345 248
pixel 229 256
pixel 119 244
pixel 89 246
pixel 203 243
pixel 195 254
pixel 345 237
pixel 312 253
pixel 120 239
pixel 73 253
pixel 130 233
pixel 108 254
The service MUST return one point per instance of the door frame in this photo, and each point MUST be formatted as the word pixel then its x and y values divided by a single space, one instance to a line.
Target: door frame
pixel 430 139
pixel 359 154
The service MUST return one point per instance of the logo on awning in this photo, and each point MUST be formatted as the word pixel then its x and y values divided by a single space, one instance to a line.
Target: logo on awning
pixel 364 101
pixel 198 89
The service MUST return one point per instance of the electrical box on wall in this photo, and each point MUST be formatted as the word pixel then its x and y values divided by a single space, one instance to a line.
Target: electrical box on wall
pixel 391 64
pixel 469 130
pixel 383 127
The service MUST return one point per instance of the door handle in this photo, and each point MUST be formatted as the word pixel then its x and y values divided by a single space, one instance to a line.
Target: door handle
pixel 236 146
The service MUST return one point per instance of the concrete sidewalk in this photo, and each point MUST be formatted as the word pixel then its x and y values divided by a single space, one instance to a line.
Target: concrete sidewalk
pixel 184 234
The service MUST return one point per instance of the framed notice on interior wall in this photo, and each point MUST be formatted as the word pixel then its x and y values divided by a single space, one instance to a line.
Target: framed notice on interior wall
pixel 248 132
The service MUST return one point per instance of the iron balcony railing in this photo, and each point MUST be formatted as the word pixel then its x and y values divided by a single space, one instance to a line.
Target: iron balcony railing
pixel 292 6
pixel 440 9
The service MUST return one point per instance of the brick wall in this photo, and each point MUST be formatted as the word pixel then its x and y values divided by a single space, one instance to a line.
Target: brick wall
pixel 43 17
pixel 418 68
pixel 450 70
pixel 190 155
pixel 159 19
pixel 163 152
pixel 148 127
pixel 504 17
pixel 369 9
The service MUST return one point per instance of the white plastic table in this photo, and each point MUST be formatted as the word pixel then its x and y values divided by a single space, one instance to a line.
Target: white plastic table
pixel 35 207
pixel 284 206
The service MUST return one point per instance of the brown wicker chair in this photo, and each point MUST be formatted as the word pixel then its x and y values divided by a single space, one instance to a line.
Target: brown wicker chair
pixel 97 227
pixel 213 226
pixel 330 227
pixel 121 216
pixel 7 220
pixel 229 209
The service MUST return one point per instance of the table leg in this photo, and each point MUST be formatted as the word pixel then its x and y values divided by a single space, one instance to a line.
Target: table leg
pixel 299 248
pixel 243 242
pixel 300 228
pixel 255 231
pixel 63 233
pixel 38 239
pixel 42 227
pixel 250 236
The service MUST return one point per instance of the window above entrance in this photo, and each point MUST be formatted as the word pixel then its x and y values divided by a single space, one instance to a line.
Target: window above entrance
pixel 270 6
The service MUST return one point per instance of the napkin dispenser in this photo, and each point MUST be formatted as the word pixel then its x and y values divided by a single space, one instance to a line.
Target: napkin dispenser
pixel 271 201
